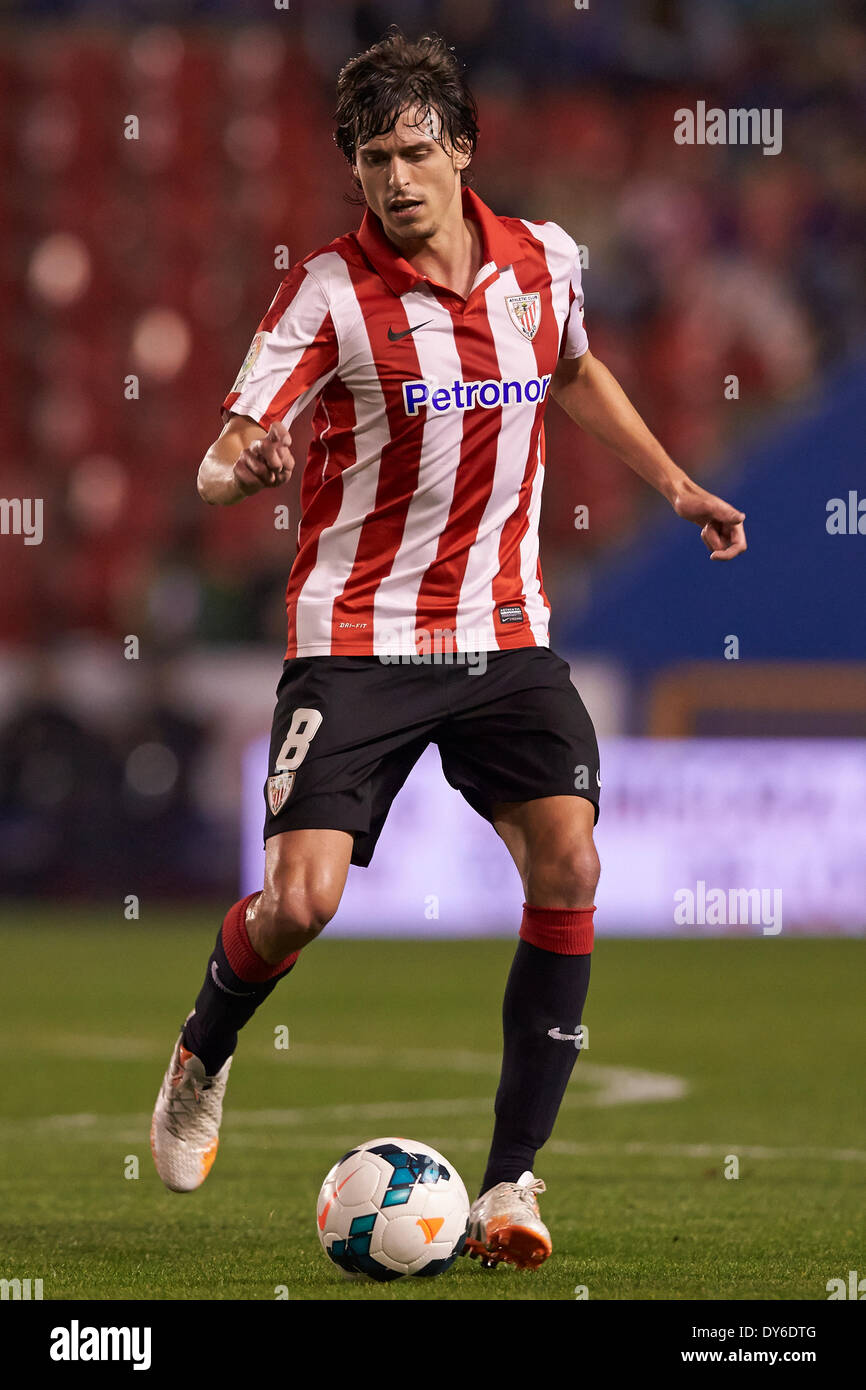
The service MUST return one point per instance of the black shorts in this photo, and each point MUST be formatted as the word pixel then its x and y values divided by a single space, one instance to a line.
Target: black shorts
pixel 348 730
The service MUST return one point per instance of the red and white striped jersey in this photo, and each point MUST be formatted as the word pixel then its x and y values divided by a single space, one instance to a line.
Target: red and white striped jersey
pixel 421 493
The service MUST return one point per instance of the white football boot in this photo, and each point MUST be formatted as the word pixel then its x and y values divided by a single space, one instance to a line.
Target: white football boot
pixel 505 1225
pixel 184 1131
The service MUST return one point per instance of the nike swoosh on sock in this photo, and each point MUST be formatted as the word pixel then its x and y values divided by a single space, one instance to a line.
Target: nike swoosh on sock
pixel 238 993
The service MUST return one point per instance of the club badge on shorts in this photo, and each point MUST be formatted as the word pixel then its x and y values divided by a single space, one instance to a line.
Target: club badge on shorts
pixel 279 787
pixel 525 311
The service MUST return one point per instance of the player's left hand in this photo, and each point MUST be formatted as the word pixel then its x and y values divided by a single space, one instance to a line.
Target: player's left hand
pixel 722 530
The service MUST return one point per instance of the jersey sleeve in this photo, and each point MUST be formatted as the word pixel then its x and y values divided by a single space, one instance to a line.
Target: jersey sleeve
pixel 293 355
pixel 574 339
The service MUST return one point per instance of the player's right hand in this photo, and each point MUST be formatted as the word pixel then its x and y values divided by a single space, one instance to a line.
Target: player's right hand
pixel 266 463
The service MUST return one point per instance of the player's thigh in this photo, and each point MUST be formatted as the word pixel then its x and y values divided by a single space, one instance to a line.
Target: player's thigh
pixel 346 733
pixel 550 839
pixel 519 733
pixel 305 874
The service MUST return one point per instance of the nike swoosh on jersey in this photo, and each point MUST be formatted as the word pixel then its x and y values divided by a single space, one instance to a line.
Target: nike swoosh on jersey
pixel 395 337
pixel 562 1037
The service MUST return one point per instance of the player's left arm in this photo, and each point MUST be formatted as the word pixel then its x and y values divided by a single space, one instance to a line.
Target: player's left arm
pixel 594 399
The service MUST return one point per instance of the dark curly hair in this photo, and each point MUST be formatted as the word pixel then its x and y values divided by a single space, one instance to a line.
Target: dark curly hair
pixel 377 85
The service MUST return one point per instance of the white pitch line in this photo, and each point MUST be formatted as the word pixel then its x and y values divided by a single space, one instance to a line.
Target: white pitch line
pixel 622 1084
pixel 607 1086
pixel 614 1085
pixel 134 1129
pixel 93 1047
pixel 565 1148
pixel 626 1085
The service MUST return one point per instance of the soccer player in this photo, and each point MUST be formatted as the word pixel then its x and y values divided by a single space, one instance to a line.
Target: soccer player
pixel 431 340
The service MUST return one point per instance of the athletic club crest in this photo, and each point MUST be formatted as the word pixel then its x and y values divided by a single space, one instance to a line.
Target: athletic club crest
pixel 249 361
pixel 279 787
pixel 525 311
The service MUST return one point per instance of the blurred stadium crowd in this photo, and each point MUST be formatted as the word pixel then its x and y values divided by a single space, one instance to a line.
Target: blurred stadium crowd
pixel 136 271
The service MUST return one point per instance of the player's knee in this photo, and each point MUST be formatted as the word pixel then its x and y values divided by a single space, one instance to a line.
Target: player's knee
pixel 569 876
pixel 582 869
pixel 293 917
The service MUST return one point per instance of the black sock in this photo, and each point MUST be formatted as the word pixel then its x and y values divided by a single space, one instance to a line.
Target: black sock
pixel 223 1006
pixel 545 991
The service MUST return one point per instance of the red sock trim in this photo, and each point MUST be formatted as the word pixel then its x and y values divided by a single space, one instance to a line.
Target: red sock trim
pixel 246 962
pixel 565 931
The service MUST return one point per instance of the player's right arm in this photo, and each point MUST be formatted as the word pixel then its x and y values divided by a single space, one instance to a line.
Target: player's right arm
pixel 292 357
pixel 244 460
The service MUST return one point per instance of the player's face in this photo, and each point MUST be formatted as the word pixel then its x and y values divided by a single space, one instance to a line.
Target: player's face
pixel 410 182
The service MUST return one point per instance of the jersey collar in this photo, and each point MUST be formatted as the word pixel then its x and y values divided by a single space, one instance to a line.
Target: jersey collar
pixel 500 249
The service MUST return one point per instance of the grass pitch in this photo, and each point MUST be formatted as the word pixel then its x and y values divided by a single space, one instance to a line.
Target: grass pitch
pixel 697 1051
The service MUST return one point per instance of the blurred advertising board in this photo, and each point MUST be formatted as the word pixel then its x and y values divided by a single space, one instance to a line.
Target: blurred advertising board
pixel 697 837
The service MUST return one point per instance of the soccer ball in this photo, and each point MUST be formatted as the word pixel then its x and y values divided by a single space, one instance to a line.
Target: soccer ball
pixel 392 1207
